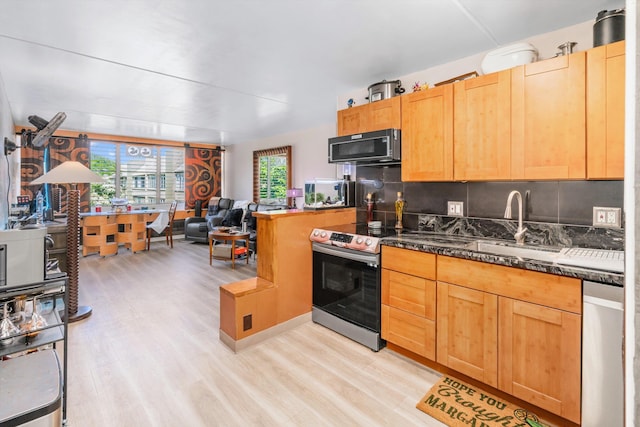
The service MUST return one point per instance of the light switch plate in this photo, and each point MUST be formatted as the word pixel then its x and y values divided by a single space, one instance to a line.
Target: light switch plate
pixel 607 217
pixel 455 208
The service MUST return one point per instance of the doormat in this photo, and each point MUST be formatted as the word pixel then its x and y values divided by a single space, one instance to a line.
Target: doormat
pixel 455 403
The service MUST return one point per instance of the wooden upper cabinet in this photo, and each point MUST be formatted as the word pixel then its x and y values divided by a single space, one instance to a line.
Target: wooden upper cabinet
pixel 605 111
pixel 540 357
pixel 482 127
pixel 427 135
pixel 548 119
pixel 377 115
pixel 467 332
pixel 353 120
pixel 384 114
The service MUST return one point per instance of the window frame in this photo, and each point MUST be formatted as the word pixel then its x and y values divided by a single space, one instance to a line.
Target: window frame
pixel 277 151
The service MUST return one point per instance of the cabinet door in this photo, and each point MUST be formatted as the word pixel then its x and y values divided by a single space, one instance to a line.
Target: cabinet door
pixel 353 120
pixel 539 351
pixel 482 127
pixel 467 332
pixel 605 111
pixel 427 135
pixel 384 114
pixel 548 119
pixel 415 333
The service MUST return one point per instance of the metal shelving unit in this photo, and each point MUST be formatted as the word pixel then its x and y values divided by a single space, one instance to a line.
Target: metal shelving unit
pixel 25 343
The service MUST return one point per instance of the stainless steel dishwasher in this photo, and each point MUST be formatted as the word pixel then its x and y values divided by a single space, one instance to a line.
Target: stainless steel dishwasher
pixel 602 372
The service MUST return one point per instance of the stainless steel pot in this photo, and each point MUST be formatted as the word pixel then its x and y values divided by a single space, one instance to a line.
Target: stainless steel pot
pixel 609 27
pixel 384 89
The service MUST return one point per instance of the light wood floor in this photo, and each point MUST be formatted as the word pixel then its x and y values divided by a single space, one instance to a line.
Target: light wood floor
pixel 150 356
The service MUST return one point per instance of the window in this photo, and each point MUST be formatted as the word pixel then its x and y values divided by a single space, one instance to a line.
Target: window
pixel 138 181
pixel 272 175
pixel 132 172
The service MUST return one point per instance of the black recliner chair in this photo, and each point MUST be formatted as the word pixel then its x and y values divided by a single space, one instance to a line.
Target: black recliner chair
pixel 196 229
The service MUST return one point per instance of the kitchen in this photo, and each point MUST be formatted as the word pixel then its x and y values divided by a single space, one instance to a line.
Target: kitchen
pixel 381 182
pixel 472 194
pixel 556 202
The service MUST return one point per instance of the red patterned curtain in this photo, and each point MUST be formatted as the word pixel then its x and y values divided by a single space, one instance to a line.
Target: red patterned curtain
pixel 34 161
pixel 203 175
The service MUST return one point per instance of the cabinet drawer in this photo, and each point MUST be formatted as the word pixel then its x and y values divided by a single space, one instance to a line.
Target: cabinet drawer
pixel 88 221
pixel 410 262
pixel 564 293
pixel 409 331
pixel 409 293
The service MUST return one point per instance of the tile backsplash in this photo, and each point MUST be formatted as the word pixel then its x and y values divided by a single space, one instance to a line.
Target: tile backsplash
pixel 556 202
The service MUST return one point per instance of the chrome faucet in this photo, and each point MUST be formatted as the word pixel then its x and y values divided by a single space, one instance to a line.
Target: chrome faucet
pixel 507 214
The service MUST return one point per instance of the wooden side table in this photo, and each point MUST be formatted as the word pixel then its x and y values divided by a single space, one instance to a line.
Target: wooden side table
pixel 227 237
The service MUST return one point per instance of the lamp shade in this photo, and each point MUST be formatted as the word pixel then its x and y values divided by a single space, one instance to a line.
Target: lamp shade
pixel 294 192
pixel 69 172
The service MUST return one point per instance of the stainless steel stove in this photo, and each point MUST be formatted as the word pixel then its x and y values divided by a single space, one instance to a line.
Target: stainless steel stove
pixel 346 285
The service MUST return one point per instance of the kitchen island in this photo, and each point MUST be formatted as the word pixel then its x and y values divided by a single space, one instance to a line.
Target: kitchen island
pixel 284 276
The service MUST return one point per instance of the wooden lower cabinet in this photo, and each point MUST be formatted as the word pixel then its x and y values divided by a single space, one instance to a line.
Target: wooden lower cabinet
pixel 539 356
pixel 525 324
pixel 468 332
pixel 409 300
pixel 513 329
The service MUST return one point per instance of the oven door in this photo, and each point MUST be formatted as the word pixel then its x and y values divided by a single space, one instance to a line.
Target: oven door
pixel 346 284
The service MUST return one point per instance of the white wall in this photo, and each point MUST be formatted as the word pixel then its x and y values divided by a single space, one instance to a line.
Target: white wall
pixel 546 44
pixel 309 158
pixel 310 145
pixel 9 165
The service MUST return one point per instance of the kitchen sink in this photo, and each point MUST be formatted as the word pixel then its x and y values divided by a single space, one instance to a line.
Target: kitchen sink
pixel 539 253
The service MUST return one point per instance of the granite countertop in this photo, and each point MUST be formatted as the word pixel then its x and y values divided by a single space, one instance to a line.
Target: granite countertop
pixel 463 247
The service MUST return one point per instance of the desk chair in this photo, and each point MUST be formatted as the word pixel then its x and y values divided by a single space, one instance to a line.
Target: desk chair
pixel 159 227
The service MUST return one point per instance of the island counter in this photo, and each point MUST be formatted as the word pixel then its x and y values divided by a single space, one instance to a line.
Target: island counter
pixel 285 261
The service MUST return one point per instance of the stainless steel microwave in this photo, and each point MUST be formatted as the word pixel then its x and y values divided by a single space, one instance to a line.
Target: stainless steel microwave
pixel 381 146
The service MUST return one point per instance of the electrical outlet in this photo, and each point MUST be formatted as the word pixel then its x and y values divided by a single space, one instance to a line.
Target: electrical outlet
pixel 455 208
pixel 247 322
pixel 607 217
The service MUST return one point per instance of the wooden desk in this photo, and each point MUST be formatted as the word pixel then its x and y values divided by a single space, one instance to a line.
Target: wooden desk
pixel 227 236
pixel 102 232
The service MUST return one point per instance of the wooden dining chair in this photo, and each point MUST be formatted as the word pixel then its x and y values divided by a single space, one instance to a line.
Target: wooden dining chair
pixel 168 231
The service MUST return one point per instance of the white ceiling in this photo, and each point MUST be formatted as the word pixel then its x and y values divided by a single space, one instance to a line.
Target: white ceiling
pixel 228 71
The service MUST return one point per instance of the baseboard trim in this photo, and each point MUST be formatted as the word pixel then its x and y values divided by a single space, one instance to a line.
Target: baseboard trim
pixel 238 345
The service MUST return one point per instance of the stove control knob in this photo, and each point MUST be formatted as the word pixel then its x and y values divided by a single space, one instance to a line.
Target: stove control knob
pixel 368 242
pixel 323 234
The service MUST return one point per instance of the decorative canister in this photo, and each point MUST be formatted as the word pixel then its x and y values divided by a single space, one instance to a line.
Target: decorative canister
pixel 609 27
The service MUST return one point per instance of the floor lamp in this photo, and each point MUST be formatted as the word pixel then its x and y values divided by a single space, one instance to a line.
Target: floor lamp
pixel 72 173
